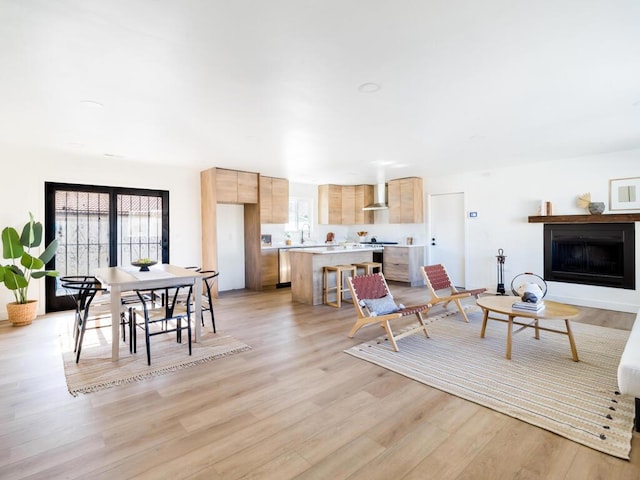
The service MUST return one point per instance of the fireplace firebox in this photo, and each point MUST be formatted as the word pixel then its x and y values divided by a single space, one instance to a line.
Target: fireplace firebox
pixel 601 254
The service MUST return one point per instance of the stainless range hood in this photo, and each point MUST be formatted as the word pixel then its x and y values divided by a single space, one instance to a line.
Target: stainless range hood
pixel 381 198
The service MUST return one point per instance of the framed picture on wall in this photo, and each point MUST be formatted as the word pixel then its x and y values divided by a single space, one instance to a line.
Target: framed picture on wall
pixel 624 193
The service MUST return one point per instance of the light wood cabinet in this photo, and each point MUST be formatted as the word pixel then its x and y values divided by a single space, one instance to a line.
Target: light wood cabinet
pixel 274 200
pixel 406 200
pixel 348 205
pixel 236 187
pixel 342 204
pixel 269 268
pixel 402 264
pixel 330 204
pixel 364 197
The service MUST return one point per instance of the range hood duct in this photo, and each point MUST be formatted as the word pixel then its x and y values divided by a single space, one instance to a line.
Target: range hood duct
pixel 381 198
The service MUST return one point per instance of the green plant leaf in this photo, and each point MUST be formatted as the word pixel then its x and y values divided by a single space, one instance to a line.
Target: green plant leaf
pixel 1 274
pixel 31 234
pixel 11 246
pixel 31 263
pixel 13 280
pixel 49 252
pixel 42 273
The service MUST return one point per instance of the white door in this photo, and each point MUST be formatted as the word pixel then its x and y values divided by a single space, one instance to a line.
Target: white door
pixel 230 224
pixel 447 241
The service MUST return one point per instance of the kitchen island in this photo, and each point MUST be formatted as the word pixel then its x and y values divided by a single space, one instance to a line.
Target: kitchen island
pixel 307 265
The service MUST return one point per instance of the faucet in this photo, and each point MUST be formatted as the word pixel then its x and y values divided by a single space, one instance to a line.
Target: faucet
pixel 302 232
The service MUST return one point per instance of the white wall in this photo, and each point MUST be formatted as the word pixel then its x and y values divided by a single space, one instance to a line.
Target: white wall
pixel 505 197
pixel 24 173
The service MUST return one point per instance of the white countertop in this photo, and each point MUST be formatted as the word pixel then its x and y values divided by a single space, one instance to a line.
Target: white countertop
pixel 405 246
pixel 335 249
pixel 341 247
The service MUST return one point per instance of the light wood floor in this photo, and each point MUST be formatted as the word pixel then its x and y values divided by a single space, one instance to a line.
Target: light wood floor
pixel 295 406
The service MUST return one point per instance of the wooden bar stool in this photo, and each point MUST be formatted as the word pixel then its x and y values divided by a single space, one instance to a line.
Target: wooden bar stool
pixel 340 287
pixel 368 267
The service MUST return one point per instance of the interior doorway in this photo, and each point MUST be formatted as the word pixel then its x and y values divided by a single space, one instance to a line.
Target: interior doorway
pixel 447 234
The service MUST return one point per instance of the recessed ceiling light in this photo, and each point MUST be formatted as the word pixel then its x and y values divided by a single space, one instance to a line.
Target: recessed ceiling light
pixel 91 104
pixel 369 87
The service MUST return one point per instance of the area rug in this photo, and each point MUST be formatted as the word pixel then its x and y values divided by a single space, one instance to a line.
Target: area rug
pixel 541 385
pixel 96 371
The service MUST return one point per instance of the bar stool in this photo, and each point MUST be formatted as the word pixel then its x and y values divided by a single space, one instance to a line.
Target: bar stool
pixel 368 267
pixel 341 286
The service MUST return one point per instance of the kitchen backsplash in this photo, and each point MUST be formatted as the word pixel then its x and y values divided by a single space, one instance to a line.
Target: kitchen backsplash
pixel 345 233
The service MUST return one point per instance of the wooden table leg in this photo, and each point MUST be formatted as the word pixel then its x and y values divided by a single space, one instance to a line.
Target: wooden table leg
pixel 484 322
pixel 509 335
pixel 574 351
pixel 536 329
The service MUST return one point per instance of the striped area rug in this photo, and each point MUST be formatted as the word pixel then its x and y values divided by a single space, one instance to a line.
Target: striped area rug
pixel 541 385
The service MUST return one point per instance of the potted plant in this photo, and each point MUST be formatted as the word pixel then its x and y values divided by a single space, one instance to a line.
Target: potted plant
pixel 23 268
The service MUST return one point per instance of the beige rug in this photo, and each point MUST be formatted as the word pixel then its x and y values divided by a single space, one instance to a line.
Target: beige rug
pixel 96 371
pixel 541 385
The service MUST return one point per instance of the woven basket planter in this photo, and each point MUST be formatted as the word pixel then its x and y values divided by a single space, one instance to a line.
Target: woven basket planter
pixel 22 313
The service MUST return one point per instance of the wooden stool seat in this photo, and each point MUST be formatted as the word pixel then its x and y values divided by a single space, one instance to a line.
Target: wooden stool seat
pixel 368 267
pixel 340 287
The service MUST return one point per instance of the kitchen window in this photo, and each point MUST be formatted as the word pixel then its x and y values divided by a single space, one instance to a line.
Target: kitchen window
pixel 300 213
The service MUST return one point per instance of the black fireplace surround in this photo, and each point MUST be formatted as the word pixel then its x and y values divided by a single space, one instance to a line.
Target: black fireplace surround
pixel 601 254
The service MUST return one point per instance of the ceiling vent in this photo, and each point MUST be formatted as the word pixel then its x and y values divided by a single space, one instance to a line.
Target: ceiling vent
pixel 381 198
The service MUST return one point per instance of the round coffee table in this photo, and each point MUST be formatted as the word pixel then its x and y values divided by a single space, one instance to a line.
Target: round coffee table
pixel 551 311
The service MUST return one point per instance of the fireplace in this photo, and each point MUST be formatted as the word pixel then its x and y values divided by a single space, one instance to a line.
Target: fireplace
pixel 601 254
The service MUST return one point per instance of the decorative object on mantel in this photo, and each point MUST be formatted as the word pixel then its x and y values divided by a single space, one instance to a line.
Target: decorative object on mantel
pixel 596 208
pixel 623 193
pixel 584 201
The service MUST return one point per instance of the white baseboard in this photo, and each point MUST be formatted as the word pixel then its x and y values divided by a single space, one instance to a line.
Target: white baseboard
pixel 595 303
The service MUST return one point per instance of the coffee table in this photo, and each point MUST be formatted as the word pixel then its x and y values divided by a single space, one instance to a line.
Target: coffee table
pixel 552 311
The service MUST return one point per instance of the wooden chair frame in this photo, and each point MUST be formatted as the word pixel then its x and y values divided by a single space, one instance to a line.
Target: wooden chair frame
pixel 437 280
pixel 358 284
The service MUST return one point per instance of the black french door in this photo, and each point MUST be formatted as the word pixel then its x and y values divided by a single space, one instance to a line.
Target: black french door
pixel 98 226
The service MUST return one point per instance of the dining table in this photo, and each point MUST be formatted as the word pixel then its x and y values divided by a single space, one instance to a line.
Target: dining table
pixel 123 279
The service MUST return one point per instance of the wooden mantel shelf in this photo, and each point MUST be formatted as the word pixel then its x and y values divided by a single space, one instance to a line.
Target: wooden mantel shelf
pixel 605 218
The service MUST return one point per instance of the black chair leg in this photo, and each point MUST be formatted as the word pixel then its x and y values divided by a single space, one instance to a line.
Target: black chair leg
pixel 148 341
pixel 83 325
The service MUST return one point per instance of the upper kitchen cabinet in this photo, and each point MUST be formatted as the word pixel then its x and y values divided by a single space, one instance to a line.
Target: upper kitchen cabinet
pixel 342 204
pixel 330 204
pixel 364 197
pixel 274 200
pixel 405 200
pixel 237 187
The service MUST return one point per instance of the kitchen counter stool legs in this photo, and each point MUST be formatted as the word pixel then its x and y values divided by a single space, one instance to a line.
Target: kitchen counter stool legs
pixel 368 267
pixel 340 287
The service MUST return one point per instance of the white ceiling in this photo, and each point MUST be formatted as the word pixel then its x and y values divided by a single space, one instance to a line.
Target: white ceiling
pixel 272 86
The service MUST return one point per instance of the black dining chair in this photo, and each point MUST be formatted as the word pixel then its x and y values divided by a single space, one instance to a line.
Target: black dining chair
pixel 83 289
pixel 166 318
pixel 209 278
